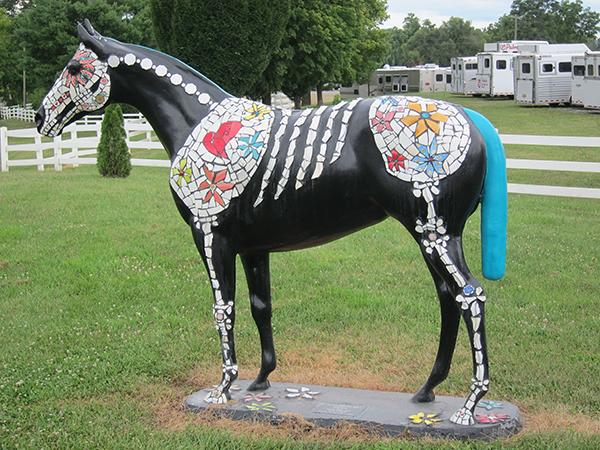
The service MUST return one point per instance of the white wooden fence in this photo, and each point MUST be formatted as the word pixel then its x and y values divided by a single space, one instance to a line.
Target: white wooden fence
pixel 76 150
pixel 17 112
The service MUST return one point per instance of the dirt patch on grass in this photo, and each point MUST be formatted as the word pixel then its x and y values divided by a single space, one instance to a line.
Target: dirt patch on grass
pixel 319 367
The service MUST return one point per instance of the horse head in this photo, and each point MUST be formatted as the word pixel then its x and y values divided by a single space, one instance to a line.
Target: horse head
pixel 83 86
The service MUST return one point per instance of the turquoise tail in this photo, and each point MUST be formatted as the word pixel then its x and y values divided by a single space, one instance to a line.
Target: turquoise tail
pixel 494 201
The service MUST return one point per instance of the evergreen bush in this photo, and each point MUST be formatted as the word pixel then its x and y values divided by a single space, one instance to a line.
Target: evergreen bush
pixel 114 159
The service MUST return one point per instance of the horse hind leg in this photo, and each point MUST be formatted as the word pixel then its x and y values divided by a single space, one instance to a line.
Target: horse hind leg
pixel 259 285
pixel 220 264
pixel 450 321
pixel 443 251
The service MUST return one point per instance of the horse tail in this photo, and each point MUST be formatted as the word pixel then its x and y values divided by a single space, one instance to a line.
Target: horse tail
pixel 494 201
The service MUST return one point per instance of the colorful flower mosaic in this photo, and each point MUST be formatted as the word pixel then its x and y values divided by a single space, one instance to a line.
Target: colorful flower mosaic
pixel 256 397
pixel 427 419
pixel 489 404
pixel 267 406
pixel 492 418
pixel 432 137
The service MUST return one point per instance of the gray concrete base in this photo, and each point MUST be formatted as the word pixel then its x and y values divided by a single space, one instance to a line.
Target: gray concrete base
pixel 386 413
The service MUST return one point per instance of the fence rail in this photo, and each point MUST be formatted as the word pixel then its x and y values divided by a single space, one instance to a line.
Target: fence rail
pixel 78 150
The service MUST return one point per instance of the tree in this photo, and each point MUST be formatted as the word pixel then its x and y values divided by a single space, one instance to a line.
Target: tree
pixel 229 42
pixel 48 33
pixel 114 159
pixel 551 20
pixel 334 41
pixel 418 43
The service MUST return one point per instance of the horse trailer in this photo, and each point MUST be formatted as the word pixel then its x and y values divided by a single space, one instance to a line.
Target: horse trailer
pixel 495 67
pixel 464 75
pixel 543 73
pixel 404 80
pixel 592 80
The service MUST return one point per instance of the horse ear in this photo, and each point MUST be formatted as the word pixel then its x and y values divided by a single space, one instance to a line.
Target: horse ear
pixel 92 39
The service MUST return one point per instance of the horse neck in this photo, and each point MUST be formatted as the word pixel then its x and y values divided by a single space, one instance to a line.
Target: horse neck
pixel 172 96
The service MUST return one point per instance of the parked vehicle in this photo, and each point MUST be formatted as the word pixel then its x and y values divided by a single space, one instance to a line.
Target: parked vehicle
pixel 495 67
pixel 464 75
pixel 543 73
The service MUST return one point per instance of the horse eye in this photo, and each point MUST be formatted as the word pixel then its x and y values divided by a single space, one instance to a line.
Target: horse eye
pixel 73 67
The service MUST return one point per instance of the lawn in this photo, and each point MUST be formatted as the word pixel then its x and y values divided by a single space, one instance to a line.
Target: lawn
pixel 106 321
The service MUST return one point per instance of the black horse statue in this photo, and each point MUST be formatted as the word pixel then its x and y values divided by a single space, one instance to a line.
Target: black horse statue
pixel 251 179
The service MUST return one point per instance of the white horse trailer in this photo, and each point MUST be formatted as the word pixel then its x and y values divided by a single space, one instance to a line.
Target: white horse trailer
pixel 403 80
pixel 464 75
pixel 543 74
pixel 578 80
pixel 592 80
pixel 495 74
pixel 495 67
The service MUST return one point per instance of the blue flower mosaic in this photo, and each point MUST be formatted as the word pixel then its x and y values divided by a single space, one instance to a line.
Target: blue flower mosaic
pixel 429 160
pixel 251 146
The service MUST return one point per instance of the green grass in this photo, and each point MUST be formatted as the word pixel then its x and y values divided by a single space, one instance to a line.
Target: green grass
pixel 106 322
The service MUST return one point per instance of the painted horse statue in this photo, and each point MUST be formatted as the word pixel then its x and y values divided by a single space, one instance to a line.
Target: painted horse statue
pixel 251 179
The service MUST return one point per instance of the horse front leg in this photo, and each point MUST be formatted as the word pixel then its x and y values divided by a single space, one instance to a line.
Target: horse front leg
pixel 256 267
pixel 443 251
pixel 220 264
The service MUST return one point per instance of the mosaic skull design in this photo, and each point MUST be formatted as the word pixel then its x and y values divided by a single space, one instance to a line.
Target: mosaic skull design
pixel 83 87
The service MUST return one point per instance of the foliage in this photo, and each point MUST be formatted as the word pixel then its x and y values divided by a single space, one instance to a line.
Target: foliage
pixel 417 43
pixel 551 20
pixel 114 159
pixel 9 71
pixel 229 42
pixel 331 41
pixel 48 33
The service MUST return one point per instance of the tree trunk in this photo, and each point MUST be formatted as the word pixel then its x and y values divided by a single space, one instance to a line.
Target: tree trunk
pixel 320 94
pixel 266 100
pixel 297 101
pixel 306 100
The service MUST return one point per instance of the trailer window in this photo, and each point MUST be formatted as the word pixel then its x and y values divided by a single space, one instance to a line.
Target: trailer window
pixel 380 80
pixel 453 66
pixel 486 63
pixel 525 68
pixel 547 68
pixel 501 64
pixel 564 66
pixel 448 78
pixel 439 78
pixel 388 79
pixel 590 70
pixel 460 67
pixel 579 71
pixel 475 66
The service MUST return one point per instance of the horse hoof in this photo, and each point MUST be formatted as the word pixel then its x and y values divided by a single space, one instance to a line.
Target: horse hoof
pixel 259 385
pixel 217 397
pixel 423 397
pixel 462 417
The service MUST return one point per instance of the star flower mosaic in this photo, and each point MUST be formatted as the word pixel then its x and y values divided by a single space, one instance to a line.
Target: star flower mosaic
pixel 427 419
pixel 303 392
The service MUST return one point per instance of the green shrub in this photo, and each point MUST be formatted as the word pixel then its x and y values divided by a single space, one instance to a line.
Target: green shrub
pixel 114 159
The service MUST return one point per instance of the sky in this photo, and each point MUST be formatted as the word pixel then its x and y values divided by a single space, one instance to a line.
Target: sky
pixel 480 12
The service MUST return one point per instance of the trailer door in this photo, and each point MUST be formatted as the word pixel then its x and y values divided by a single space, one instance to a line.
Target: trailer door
pixel 524 79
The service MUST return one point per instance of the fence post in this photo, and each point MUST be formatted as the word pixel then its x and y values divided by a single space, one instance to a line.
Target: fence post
pixel 74 150
pixel 3 149
pixel 57 154
pixel 39 152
